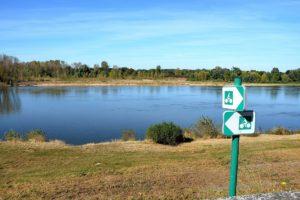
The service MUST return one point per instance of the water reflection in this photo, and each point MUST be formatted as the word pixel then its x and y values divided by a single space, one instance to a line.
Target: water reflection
pixel 154 89
pixel 274 91
pixel 79 90
pixel 293 92
pixel 105 90
pixel 9 100
pixel 49 91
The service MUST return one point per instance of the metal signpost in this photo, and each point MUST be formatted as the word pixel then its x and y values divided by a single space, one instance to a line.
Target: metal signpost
pixel 236 121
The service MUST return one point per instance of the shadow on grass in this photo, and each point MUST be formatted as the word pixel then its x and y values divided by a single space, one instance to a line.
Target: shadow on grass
pixel 187 140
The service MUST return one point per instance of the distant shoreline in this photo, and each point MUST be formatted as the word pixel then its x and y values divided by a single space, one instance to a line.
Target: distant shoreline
pixel 143 82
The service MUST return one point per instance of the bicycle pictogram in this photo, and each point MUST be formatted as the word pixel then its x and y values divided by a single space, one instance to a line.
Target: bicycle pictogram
pixel 228 98
pixel 244 124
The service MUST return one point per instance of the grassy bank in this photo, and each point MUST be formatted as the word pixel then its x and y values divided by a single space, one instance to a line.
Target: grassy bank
pixel 136 82
pixel 144 170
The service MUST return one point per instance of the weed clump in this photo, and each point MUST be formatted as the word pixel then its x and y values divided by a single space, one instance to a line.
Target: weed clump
pixel 281 131
pixel 165 133
pixel 36 135
pixel 205 128
pixel 12 135
pixel 128 135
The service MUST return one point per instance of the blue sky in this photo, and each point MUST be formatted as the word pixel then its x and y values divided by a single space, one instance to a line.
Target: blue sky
pixel 143 34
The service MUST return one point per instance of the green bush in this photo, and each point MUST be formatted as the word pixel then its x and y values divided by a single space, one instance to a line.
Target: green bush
pixel 128 135
pixel 205 128
pixel 281 131
pixel 36 135
pixel 12 135
pixel 165 133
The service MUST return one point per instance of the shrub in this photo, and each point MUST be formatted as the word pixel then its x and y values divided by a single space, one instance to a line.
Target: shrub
pixel 128 135
pixel 281 131
pixel 12 135
pixel 205 128
pixel 165 133
pixel 36 135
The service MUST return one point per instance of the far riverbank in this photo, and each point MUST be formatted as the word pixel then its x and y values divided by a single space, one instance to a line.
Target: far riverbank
pixel 139 82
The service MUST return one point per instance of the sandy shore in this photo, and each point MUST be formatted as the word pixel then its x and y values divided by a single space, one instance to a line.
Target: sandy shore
pixel 143 82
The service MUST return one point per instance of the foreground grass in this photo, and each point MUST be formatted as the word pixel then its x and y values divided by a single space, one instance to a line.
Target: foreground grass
pixel 144 170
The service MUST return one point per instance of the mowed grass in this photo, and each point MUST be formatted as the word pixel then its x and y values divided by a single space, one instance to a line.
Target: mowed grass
pixel 142 170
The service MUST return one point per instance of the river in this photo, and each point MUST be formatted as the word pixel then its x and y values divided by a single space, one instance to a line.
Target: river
pixel 79 115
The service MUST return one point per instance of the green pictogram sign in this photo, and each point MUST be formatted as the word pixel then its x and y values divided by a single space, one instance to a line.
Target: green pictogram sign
pixel 233 97
pixel 228 98
pixel 238 123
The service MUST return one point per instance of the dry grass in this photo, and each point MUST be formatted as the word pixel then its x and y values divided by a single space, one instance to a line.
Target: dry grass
pixel 142 170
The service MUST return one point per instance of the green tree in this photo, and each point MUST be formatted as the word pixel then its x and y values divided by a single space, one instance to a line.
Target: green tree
pixel 285 78
pixel 158 71
pixel 252 77
pixel 115 73
pixel 227 76
pixel 8 69
pixel 275 74
pixel 201 75
pixel 294 75
pixel 12 71
pixel 178 72
pixel 217 73
pixel 105 68
pixel 264 78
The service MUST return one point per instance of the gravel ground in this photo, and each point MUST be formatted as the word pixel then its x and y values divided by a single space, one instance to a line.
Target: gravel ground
pixel 275 196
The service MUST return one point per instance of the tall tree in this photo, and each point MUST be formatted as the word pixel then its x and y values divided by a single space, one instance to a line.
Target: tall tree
pixel 105 68
pixel 264 78
pixel 275 74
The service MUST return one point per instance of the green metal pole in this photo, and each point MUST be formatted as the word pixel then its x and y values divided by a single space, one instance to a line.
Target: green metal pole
pixel 234 155
pixel 234 165
pixel 238 81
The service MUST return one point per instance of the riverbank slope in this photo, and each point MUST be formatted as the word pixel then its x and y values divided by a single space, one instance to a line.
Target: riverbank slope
pixel 141 169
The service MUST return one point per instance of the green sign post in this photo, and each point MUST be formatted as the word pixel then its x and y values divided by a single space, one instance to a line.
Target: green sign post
pixel 234 164
pixel 236 121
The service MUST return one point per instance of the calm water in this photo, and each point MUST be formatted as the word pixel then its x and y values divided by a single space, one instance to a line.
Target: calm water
pixel 80 115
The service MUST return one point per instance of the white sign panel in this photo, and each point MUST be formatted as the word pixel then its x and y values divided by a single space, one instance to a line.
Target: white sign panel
pixel 237 123
pixel 233 97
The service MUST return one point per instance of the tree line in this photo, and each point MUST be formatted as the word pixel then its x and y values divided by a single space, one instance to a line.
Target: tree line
pixel 13 71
